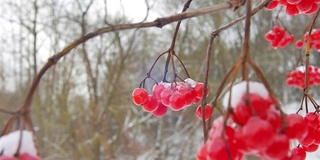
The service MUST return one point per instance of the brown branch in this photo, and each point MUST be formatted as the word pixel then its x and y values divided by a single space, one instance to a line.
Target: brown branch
pixel 253 12
pixel 173 42
pixel 205 83
pixel 245 47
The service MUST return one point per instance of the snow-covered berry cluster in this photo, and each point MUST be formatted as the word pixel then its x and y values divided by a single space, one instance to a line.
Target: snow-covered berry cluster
pixel 314 40
pixel 173 95
pixel 256 127
pixel 278 37
pixel 296 78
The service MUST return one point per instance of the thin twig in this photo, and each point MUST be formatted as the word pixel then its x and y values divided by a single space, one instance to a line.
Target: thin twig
pixel 205 84
pixel 307 61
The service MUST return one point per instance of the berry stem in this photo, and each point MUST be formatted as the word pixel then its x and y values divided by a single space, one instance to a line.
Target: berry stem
pixel 173 42
pixel 184 67
pixel 301 104
pixel 307 54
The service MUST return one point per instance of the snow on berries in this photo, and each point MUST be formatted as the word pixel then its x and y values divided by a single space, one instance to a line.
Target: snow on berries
pixel 295 7
pixel 296 78
pixel 175 96
pixel 278 37
pixel 314 40
pixel 256 127
pixel 9 145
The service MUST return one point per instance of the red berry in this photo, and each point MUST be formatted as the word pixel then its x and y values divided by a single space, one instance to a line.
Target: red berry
pixel 177 102
pixel 299 44
pixel 157 89
pixel 165 96
pixel 272 5
pixel 311 148
pixel 313 9
pixel 311 120
pixel 188 95
pixel 279 147
pixel 309 138
pixel 296 128
pixel 298 154
pixel 160 111
pixel 139 96
pixel 198 90
pixel 151 105
pixel 274 118
pixel 253 132
pixel 208 112
pixel 305 5
pixel 292 10
pixel 202 153
pixel 220 149
pixel 269 36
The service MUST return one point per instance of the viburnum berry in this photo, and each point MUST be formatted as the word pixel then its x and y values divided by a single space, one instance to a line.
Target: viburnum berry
pixel 298 153
pixel 305 5
pixel 139 96
pixel 279 147
pixel 299 44
pixel 198 90
pixel 202 153
pixel 151 104
pixel 312 120
pixel 258 130
pixel 157 89
pixel 296 127
pixel 313 9
pixel 208 112
pixel 161 110
pixel 308 138
pixel 165 96
pixel 177 102
pixel 188 95
pixel 272 5
pixel 311 148
pixel 220 149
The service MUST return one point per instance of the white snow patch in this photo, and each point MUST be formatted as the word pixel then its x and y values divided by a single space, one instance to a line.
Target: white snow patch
pixel 240 89
pixel 191 82
pixel 9 143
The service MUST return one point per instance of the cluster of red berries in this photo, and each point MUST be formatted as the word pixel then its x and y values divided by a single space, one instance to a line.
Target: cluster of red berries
pixel 173 95
pixel 294 7
pixel 23 156
pixel 296 77
pixel 256 127
pixel 314 40
pixel 278 37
